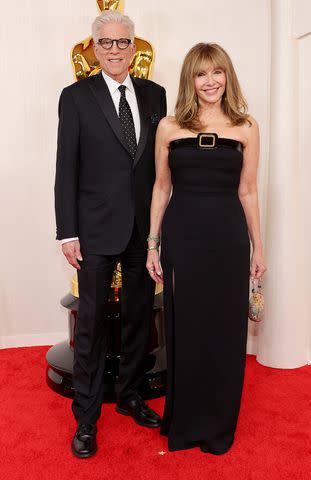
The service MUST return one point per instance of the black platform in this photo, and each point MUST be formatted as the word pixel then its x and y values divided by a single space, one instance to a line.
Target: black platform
pixel 60 356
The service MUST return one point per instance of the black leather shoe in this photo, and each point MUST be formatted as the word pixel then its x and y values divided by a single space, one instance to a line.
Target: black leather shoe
pixel 139 411
pixel 84 444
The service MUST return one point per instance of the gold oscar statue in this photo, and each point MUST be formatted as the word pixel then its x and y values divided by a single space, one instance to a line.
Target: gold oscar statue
pixel 85 63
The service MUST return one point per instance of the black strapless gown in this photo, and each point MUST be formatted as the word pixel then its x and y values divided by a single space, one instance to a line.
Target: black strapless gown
pixel 205 258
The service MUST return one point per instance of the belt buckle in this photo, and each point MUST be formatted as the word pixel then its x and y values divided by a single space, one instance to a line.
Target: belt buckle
pixel 207 140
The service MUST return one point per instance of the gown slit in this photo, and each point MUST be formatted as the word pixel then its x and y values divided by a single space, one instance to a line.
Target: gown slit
pixel 169 280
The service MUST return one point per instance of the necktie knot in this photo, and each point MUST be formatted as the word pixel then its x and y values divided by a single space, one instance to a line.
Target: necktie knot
pixel 122 89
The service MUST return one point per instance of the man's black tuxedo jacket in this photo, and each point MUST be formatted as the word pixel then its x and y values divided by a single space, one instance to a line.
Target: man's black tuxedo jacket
pixel 99 189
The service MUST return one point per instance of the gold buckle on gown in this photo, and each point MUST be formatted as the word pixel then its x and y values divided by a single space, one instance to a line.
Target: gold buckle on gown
pixel 207 140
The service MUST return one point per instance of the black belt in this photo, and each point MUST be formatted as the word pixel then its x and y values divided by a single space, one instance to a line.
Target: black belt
pixel 206 141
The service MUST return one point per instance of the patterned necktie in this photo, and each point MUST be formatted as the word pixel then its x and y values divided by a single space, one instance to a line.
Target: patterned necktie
pixel 127 122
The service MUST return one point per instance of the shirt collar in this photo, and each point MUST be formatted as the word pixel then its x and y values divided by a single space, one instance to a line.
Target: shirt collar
pixel 113 85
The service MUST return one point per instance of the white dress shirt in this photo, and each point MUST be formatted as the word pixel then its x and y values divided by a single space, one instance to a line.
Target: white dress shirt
pixel 115 93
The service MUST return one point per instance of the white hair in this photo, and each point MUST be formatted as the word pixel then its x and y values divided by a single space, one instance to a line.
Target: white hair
pixel 111 16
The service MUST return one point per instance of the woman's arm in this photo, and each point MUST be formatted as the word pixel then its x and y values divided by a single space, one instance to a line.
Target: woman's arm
pixel 249 197
pixel 160 197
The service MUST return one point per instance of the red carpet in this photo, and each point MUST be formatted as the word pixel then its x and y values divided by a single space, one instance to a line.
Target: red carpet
pixel 273 439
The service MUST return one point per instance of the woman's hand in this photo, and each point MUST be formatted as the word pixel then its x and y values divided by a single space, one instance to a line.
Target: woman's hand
pixel 154 267
pixel 258 265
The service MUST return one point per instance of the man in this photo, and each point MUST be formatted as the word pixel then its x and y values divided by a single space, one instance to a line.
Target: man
pixel 104 178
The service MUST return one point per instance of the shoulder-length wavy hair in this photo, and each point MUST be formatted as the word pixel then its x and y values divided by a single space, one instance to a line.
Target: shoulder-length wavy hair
pixel 233 103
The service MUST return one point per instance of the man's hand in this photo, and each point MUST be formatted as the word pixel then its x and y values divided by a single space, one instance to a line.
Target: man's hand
pixel 72 252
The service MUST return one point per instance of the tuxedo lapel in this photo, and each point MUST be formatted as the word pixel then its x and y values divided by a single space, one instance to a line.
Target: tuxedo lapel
pixel 103 97
pixel 144 113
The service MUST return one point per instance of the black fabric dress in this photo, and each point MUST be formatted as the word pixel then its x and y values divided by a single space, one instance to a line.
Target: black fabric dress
pixel 205 260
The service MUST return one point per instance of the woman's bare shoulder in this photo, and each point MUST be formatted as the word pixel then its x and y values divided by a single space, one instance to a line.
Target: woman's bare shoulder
pixel 250 124
pixel 249 130
pixel 168 122
pixel 167 128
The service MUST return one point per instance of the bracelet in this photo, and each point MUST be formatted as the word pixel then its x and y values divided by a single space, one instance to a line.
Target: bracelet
pixel 155 239
pixel 153 248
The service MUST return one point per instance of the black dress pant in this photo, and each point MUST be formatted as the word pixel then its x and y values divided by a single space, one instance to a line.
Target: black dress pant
pixel 91 339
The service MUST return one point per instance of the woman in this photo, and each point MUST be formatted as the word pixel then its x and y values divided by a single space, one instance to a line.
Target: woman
pixel 207 155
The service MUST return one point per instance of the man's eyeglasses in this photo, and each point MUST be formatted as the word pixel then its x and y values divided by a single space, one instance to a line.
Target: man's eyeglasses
pixel 107 43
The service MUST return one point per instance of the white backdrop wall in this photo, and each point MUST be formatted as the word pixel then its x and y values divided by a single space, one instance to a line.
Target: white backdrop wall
pixel 304 49
pixel 35 67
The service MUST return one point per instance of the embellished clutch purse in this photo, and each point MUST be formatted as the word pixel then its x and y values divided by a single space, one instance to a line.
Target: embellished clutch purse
pixel 256 302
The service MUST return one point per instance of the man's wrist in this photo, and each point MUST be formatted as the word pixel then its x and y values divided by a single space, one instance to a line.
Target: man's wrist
pixel 66 240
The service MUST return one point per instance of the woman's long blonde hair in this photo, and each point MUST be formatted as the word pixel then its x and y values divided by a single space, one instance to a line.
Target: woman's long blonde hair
pixel 233 103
